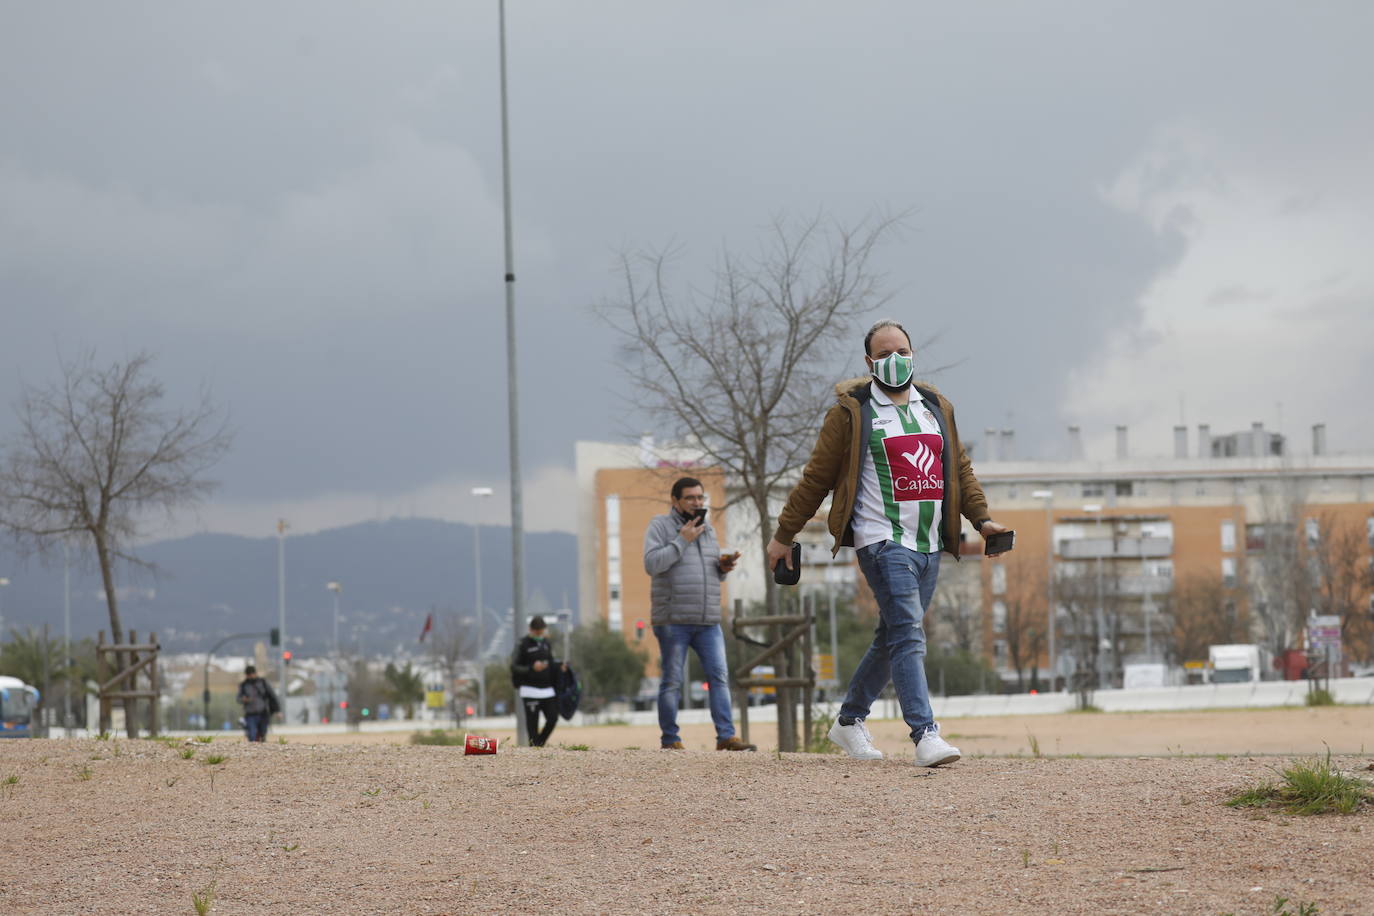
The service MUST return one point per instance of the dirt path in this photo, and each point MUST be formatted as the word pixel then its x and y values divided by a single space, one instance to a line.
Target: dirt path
pixel 119 827
pixel 1291 731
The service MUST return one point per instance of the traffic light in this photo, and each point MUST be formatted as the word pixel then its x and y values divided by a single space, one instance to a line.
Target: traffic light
pixel 276 636
pixel 286 657
pixel 639 630
pixel 343 704
pixel 366 712
pixel 470 710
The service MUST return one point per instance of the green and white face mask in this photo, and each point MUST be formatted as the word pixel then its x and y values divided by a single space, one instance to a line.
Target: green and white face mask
pixel 894 370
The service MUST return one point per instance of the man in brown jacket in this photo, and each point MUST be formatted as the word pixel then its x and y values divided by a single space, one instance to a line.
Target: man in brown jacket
pixel 889 452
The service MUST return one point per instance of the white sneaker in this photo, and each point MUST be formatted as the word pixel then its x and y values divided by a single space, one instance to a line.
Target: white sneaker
pixel 934 751
pixel 855 740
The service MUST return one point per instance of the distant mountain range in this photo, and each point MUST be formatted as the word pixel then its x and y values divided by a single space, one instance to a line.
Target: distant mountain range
pixel 209 586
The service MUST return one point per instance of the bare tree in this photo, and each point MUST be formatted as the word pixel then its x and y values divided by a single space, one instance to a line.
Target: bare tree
pixel 1026 622
pixel 97 456
pixel 743 371
pixel 1282 590
pixel 1342 579
pixel 1202 613
pixel 453 647
pixel 955 617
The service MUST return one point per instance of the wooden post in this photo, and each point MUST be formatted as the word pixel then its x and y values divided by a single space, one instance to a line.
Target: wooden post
pixel 741 693
pixel 810 673
pixel 155 702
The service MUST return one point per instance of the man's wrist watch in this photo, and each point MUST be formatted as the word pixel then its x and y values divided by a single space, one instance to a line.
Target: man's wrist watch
pixel 978 525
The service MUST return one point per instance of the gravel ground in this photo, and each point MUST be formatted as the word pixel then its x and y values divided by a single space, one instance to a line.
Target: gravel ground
pixel 106 827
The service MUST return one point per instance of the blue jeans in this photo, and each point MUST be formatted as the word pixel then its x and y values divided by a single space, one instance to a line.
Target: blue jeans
pixel 255 724
pixel 709 644
pixel 903 582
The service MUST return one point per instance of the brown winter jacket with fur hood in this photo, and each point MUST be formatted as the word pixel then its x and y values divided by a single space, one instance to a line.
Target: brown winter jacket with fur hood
pixel 838 456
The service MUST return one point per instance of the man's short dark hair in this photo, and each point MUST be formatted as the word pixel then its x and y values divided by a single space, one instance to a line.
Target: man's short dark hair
pixel 685 483
pixel 878 326
pixel 250 669
pixel 537 623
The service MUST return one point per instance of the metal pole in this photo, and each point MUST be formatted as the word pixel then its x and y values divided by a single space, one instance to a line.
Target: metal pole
pixel 1049 592
pixel 481 636
pixel 281 605
pixel 67 638
pixel 517 515
pixel 834 641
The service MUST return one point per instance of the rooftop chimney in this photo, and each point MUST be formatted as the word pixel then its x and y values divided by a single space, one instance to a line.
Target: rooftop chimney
pixel 1121 451
pixel 1075 444
pixel 1008 453
pixel 1319 439
pixel 1204 441
pixel 1257 442
pixel 1180 442
pixel 990 444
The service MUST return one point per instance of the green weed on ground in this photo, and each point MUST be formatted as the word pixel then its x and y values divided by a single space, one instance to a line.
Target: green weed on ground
pixel 1320 697
pixel 1308 787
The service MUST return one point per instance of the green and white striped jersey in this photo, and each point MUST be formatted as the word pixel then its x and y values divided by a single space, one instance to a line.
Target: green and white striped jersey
pixel 902 481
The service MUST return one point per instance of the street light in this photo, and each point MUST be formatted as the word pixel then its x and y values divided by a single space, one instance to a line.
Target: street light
pixel 1101 621
pixel 3 582
pixel 480 493
pixel 336 588
pixel 281 606
pixel 1051 657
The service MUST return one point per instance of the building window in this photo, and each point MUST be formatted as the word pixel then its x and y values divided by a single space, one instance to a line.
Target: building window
pixel 1200 489
pixel 1228 572
pixel 999 579
pixel 999 649
pixel 1011 492
pixel 1228 537
pixel 1254 537
pixel 999 617
pixel 1092 489
pixel 1369 529
pixel 1313 529
pixel 1125 488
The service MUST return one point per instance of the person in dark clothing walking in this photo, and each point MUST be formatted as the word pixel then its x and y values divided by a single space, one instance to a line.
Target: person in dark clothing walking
pixel 259 703
pixel 533 673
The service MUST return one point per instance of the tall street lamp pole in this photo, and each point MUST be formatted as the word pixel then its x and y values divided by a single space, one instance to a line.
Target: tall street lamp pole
pixel 281 606
pixel 480 493
pixel 517 515
pixel 336 588
pixel 3 583
pixel 1100 616
pixel 67 637
pixel 1051 657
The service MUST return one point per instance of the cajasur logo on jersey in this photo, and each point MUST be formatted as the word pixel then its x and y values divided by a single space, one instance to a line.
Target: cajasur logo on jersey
pixel 917 471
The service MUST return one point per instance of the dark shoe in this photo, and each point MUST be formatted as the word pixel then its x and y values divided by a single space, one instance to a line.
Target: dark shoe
pixel 675 746
pixel 733 743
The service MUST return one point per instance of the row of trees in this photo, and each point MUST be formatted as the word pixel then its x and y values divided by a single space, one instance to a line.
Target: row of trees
pixel 1305 562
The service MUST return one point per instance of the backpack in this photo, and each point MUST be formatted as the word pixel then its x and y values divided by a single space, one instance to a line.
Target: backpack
pixel 569 692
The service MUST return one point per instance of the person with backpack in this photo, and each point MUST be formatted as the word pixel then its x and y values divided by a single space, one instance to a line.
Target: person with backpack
pixel 259 704
pixel 534 672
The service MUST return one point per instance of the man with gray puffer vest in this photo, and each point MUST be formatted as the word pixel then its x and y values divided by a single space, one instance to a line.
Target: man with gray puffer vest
pixel 683 557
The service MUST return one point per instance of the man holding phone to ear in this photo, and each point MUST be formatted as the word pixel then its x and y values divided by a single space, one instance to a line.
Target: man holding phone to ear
pixel 889 451
pixel 683 558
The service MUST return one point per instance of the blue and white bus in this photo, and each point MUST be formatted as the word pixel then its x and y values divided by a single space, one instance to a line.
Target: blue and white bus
pixel 17 703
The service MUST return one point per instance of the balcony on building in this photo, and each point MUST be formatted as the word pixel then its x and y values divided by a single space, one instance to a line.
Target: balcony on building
pixel 1107 548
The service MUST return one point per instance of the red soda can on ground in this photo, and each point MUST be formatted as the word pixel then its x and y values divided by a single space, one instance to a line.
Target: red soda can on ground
pixel 476 744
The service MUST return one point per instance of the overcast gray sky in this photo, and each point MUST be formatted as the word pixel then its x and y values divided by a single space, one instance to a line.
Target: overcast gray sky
pixel 1120 213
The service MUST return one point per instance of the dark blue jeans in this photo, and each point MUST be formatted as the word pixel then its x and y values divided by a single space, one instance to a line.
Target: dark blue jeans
pixel 709 644
pixel 255 725
pixel 903 582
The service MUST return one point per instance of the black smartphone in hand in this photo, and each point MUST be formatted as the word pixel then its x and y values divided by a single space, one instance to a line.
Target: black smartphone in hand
pixel 999 543
pixel 784 576
pixel 699 516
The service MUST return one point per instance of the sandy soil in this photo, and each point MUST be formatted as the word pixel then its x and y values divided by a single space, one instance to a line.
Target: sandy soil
pixel 105 827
